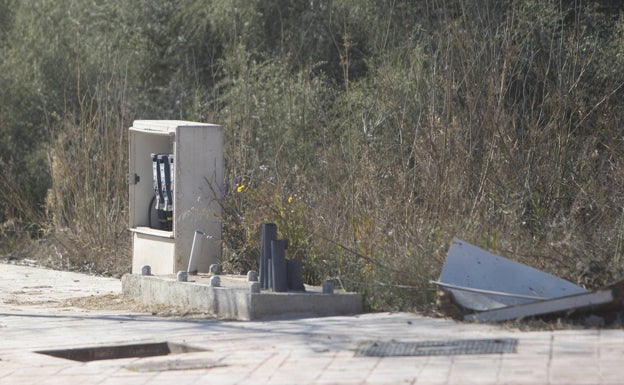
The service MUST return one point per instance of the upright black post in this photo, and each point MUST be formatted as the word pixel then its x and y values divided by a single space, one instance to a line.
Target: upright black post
pixel 269 233
pixel 278 262
pixel 294 274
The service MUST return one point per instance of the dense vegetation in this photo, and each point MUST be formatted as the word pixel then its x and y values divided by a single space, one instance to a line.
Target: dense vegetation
pixel 372 132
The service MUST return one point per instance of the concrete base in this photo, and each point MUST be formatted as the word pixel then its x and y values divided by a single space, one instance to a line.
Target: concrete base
pixel 234 300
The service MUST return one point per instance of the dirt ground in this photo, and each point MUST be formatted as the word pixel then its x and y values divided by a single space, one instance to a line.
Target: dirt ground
pixel 109 303
pixel 117 302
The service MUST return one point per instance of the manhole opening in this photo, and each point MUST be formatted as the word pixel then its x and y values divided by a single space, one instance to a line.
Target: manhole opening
pixel 437 348
pixel 120 351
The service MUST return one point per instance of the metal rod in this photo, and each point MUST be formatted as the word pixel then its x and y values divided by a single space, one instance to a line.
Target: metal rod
pixel 491 292
pixel 195 251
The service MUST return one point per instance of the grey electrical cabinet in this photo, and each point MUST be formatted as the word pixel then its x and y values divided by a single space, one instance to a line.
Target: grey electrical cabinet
pixel 175 180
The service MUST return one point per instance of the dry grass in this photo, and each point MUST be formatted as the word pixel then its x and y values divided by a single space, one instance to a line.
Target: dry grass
pixel 498 123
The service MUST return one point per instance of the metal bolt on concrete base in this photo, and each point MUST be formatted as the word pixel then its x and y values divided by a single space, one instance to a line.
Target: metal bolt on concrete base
pixel 328 287
pixel 254 288
pixel 182 276
pixel 215 281
pixel 215 269
pixel 146 270
pixel 252 276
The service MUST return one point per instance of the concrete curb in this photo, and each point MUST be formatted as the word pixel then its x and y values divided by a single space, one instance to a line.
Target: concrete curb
pixel 237 301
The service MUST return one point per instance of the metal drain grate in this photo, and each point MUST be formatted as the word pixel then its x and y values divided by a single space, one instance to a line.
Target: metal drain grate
pixel 437 348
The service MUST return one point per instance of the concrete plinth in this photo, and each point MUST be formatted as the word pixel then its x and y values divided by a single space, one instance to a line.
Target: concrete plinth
pixel 234 299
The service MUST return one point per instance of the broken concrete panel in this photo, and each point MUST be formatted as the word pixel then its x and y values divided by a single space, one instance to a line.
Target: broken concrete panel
pixel 573 302
pixel 498 289
pixel 484 281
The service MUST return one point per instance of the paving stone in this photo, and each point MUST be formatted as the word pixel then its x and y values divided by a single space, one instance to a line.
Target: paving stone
pixel 302 351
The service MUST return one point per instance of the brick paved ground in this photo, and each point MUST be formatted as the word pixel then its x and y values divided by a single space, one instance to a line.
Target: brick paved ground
pixel 306 351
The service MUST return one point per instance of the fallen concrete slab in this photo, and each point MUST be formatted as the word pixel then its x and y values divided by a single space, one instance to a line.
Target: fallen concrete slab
pixel 573 302
pixel 470 268
pixel 489 288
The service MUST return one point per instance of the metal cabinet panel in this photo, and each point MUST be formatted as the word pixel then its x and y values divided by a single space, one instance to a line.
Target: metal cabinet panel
pixel 197 150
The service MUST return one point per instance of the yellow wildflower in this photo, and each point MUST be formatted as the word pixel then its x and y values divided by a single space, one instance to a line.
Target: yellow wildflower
pixel 240 187
pixel 290 199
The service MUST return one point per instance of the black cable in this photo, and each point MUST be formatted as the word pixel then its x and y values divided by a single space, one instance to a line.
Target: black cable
pixel 149 212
